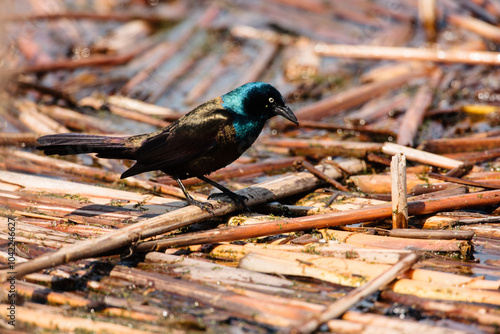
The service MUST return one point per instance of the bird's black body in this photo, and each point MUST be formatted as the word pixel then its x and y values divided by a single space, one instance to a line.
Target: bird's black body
pixel 191 146
pixel 209 137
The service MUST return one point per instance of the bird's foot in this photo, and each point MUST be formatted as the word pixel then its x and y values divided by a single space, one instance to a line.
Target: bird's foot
pixel 205 206
pixel 239 199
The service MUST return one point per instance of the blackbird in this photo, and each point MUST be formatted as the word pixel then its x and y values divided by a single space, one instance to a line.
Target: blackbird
pixel 209 137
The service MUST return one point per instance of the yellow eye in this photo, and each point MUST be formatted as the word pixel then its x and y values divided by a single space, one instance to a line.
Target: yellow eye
pixel 271 100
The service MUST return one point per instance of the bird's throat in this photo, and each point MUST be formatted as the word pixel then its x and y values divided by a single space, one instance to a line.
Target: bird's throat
pixel 247 130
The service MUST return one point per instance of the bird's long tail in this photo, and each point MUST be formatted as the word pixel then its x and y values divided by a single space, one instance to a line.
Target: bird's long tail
pixel 77 143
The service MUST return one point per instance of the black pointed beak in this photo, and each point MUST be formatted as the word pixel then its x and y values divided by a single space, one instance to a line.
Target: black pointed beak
pixel 287 113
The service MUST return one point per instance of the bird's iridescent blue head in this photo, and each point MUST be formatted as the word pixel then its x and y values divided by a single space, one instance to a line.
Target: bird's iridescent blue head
pixel 258 101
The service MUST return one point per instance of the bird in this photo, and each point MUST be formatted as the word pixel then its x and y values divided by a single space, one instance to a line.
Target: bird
pixel 209 137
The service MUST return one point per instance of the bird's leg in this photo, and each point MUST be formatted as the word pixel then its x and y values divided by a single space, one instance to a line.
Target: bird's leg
pixel 202 205
pixel 235 197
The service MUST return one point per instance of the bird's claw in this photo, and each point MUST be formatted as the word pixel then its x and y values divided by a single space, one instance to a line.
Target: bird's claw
pixel 205 206
pixel 240 199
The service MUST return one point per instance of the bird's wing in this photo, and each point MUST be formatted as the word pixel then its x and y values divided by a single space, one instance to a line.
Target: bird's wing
pixel 190 137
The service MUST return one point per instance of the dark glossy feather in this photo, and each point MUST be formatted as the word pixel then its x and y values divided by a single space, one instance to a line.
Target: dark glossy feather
pixel 179 149
pixel 77 143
